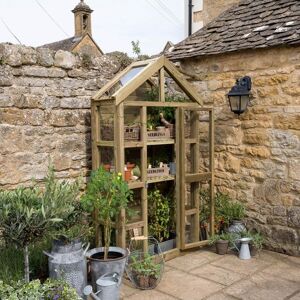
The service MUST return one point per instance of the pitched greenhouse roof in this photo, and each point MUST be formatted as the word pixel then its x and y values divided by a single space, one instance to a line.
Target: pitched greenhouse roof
pixel 130 79
pixel 247 25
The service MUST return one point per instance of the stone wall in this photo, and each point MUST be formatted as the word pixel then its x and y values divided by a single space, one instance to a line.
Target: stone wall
pixel 258 153
pixel 45 111
pixel 212 9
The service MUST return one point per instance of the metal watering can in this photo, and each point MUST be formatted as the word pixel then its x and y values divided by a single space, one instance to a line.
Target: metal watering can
pixel 108 287
pixel 69 263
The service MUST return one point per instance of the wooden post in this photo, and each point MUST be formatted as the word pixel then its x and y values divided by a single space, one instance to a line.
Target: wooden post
pixel 144 195
pixel 120 163
pixel 195 187
pixel 162 85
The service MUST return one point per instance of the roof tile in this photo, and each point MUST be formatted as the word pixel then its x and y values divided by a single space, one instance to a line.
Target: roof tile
pixel 247 25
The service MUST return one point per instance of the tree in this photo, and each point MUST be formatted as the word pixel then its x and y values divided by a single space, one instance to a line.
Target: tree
pixel 136 49
pixel 28 214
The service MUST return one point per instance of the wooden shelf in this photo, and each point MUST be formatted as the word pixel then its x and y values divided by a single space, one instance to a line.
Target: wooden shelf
pixel 161 142
pixel 136 184
pixel 161 179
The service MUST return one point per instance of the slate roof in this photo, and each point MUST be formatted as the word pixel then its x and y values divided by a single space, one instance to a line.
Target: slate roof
pixel 247 25
pixel 66 45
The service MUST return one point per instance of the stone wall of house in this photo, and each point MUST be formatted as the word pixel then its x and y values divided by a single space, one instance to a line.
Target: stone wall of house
pixel 212 9
pixel 257 158
pixel 45 111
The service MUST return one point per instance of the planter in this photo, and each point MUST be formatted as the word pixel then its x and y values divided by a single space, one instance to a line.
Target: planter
pixel 253 250
pixel 222 247
pixel 144 282
pixel 116 261
pixel 167 245
pixel 237 226
pixel 128 175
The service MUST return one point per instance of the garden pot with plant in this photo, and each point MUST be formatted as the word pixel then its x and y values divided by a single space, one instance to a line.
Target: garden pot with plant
pixel 256 243
pixel 106 195
pixel 222 242
pixel 27 215
pixel 159 215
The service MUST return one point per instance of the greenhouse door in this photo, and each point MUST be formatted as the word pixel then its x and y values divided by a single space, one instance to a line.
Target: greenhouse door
pixel 192 172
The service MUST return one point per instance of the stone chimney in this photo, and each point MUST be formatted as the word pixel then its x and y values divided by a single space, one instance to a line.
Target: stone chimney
pixel 82 17
pixel 212 9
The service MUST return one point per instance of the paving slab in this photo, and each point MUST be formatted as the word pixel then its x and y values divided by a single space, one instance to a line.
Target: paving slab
pixel 149 295
pixel 286 270
pixel 233 263
pixel 217 274
pixel 262 286
pixel 220 296
pixel 187 262
pixel 296 296
pixel 186 286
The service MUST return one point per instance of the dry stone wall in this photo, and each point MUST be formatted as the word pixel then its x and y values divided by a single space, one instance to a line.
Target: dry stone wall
pixel 45 111
pixel 257 154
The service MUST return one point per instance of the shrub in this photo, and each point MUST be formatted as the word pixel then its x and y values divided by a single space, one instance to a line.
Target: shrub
pixel 34 290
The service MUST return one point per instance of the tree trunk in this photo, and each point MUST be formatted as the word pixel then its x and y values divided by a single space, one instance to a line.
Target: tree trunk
pixel 26 263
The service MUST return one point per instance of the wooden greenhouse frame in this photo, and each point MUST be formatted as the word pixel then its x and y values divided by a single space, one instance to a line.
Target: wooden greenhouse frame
pixel 116 101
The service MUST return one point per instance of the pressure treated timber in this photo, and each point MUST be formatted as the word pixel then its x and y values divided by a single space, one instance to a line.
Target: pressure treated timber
pixel 187 105
pixel 192 211
pixel 171 254
pixel 212 168
pixel 161 142
pixel 161 179
pixel 162 97
pixel 140 224
pixel 198 177
pixel 136 184
pixel 196 244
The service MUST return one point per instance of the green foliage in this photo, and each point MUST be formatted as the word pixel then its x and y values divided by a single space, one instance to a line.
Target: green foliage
pixel 28 214
pixel 154 112
pixel 257 238
pixel 34 290
pixel 86 60
pixel 136 49
pixel 146 266
pixel 226 210
pixel 107 193
pixel 231 237
pixel 159 215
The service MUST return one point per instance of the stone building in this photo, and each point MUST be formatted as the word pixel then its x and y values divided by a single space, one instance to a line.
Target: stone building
pixel 257 154
pixel 82 42
pixel 204 11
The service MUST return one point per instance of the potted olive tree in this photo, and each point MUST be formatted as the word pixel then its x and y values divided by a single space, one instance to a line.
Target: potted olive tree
pixel 106 195
pixel 27 215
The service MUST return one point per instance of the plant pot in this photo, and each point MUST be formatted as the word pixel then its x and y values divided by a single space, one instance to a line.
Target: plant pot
pixel 127 175
pixel 253 250
pixel 237 226
pixel 107 167
pixel 167 245
pixel 130 166
pixel 116 261
pixel 222 247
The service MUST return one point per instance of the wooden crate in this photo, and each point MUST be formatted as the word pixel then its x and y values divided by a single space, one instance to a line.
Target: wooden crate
pixel 131 133
pixel 158 172
pixel 158 134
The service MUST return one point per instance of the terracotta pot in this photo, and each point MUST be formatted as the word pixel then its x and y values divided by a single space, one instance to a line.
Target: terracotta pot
pixel 130 166
pixel 127 175
pixel 107 167
pixel 222 247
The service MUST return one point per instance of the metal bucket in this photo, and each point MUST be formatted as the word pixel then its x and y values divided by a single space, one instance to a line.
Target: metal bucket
pixel 108 286
pixel 100 267
pixel 69 266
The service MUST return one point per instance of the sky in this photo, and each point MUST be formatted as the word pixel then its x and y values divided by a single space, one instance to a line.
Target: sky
pixel 115 23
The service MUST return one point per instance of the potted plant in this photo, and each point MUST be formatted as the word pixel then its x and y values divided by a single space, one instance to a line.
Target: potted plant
pixel 106 195
pixel 159 215
pixel 256 243
pixel 222 242
pixel 27 215
pixel 236 213
pixel 145 271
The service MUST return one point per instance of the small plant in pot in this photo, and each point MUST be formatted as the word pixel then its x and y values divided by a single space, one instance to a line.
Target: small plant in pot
pixel 145 271
pixel 222 242
pixel 257 240
pixel 236 213
pixel 106 195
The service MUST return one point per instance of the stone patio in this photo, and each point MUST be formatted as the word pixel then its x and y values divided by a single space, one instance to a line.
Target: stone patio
pixel 205 275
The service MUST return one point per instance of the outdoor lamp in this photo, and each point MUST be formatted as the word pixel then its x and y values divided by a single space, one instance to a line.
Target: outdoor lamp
pixel 239 95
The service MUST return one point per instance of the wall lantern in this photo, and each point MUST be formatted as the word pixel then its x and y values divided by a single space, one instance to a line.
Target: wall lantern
pixel 239 95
